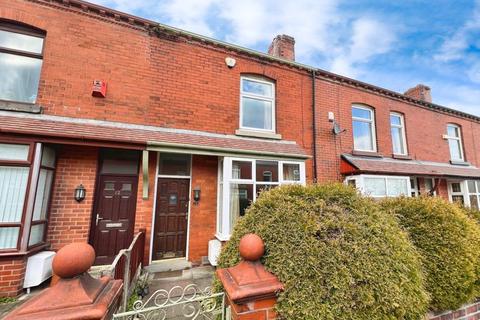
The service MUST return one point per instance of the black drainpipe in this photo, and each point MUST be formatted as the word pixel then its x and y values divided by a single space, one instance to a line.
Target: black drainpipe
pixel 314 129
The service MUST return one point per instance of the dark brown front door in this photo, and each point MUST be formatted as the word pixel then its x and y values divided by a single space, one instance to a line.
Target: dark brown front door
pixel 171 215
pixel 113 216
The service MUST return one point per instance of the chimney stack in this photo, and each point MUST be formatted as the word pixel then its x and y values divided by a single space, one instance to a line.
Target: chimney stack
pixel 283 46
pixel 419 92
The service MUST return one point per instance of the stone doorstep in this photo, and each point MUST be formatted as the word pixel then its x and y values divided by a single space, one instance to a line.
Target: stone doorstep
pixel 168 265
pixel 202 277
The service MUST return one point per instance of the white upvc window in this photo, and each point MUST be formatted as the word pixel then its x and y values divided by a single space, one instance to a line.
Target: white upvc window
pixel 399 139
pixel 457 191
pixel 363 124
pixel 473 188
pixel 240 181
pixel 257 104
pixel 426 188
pixel 466 192
pixel 377 186
pixel 414 189
pixel 429 186
pixel 454 138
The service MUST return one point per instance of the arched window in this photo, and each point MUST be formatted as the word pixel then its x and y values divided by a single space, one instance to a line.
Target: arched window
pixel 363 124
pixel 21 54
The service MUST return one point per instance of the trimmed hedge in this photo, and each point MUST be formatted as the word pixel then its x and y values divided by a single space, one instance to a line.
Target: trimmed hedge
pixel 449 243
pixel 337 254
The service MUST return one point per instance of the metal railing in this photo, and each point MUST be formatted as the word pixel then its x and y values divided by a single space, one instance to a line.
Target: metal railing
pixel 188 302
pixel 127 264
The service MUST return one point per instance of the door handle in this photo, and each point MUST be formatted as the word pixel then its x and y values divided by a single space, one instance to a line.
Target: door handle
pixel 98 219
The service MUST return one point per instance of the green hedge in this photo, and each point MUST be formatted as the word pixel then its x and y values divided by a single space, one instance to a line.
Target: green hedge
pixel 449 243
pixel 337 254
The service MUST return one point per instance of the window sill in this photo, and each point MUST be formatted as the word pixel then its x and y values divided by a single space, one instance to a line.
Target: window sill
pixel 401 157
pixel 24 253
pixel 459 163
pixel 20 107
pixel 258 134
pixel 366 154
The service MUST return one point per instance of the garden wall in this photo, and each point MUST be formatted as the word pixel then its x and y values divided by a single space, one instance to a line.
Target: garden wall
pixel 467 312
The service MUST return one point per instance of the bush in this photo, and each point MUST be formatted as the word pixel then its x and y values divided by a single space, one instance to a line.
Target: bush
pixel 472 213
pixel 337 254
pixel 448 241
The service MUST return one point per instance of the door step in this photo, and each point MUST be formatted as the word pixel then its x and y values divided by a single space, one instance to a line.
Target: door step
pixel 168 265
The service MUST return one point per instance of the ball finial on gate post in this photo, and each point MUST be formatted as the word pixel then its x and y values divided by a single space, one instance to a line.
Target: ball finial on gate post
pixel 251 247
pixel 73 260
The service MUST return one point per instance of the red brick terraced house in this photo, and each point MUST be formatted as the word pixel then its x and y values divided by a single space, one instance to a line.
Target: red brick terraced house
pixel 110 123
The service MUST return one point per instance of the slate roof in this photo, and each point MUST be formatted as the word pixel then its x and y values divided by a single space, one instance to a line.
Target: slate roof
pixel 358 164
pixel 95 130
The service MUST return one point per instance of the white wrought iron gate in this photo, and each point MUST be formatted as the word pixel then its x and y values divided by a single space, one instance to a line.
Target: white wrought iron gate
pixel 189 302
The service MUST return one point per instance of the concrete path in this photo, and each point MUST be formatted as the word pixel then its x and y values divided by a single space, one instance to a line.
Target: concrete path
pixel 201 277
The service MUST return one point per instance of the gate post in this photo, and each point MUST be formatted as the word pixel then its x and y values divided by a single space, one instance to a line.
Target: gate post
pixel 250 289
pixel 76 295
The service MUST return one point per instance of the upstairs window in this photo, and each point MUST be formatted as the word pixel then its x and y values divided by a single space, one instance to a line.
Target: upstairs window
pixel 363 124
pixel 397 127
pixel 257 104
pixel 21 54
pixel 454 138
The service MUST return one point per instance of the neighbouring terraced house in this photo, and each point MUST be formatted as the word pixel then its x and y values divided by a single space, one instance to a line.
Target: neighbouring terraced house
pixel 110 123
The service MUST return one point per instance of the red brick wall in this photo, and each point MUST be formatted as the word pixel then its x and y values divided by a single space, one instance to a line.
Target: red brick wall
pixel 203 216
pixel 70 220
pixel 424 128
pixel 467 312
pixel 176 82
pixel 12 272
pixel 144 214
pixel 165 81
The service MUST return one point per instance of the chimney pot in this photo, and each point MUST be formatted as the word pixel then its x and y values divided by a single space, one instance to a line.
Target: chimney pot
pixel 420 92
pixel 283 46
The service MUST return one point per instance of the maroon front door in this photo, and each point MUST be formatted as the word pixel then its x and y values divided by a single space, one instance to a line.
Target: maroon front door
pixel 171 215
pixel 113 216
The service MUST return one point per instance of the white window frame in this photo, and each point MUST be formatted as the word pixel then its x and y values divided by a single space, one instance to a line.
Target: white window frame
pixel 433 184
pixel 476 193
pixel 360 184
pixel 224 231
pixel 458 139
pixel 401 126
pixel 415 189
pixel 372 127
pixel 463 192
pixel 257 97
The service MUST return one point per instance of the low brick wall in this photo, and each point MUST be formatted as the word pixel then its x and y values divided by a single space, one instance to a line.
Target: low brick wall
pixel 467 312
pixel 12 272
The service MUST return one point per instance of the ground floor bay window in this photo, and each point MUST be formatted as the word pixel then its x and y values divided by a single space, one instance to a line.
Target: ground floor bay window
pixel 241 180
pixel 26 177
pixel 466 192
pixel 377 186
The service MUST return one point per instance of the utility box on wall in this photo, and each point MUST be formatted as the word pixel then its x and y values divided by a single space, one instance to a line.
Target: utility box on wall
pixel 99 88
